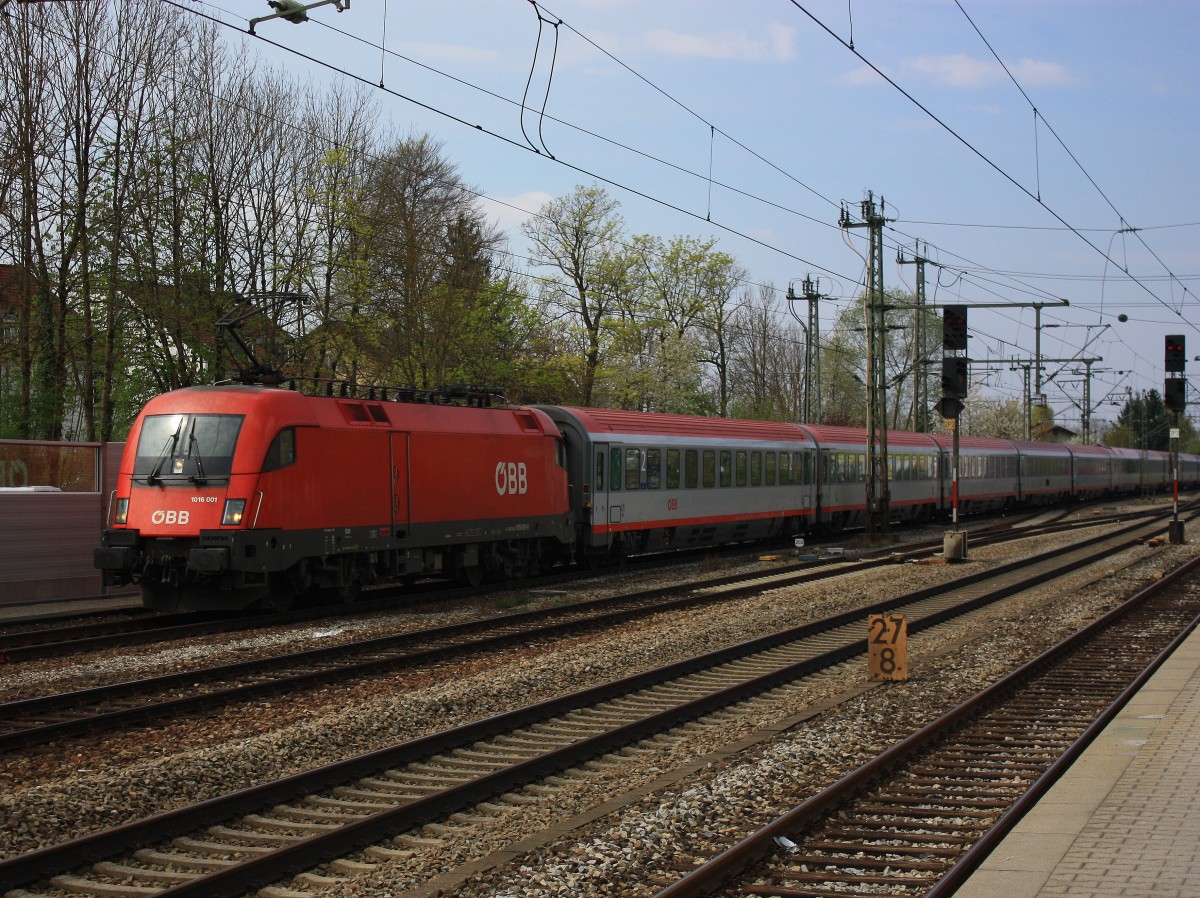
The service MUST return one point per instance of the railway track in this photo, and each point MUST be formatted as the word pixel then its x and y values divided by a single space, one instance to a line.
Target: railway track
pixel 135 627
pixel 919 818
pixel 45 718
pixel 229 844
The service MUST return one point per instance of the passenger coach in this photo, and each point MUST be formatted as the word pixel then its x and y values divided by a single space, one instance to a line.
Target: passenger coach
pixel 842 475
pixel 645 482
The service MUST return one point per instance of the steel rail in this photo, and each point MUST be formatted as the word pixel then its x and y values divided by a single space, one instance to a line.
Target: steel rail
pixel 406 650
pixel 308 852
pixel 709 877
pixel 150 627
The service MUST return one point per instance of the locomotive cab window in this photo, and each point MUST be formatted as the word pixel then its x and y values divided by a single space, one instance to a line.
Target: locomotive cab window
pixel 282 451
pixel 186 448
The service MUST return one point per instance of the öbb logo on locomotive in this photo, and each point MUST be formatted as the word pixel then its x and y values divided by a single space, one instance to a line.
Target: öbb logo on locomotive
pixel 512 478
pixel 170 516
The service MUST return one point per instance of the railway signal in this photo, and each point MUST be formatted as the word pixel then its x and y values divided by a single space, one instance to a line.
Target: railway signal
pixel 954 328
pixel 1175 399
pixel 954 377
pixel 949 407
pixel 955 382
pixel 1176 354
pixel 1175 394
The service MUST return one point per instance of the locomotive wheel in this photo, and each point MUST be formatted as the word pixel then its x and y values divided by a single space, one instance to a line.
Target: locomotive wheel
pixel 280 595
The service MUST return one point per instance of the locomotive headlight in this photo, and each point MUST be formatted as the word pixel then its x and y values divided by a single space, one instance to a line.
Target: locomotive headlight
pixel 121 514
pixel 234 509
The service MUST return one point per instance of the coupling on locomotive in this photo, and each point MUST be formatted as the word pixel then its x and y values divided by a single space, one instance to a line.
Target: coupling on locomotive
pixel 241 495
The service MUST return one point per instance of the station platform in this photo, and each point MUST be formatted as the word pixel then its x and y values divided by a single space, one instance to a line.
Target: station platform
pixel 1125 818
pixel 50 609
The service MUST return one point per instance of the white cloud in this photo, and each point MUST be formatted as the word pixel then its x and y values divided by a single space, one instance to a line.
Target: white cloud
pixel 510 212
pixel 775 44
pixel 861 75
pixel 957 71
pixel 965 71
pixel 451 53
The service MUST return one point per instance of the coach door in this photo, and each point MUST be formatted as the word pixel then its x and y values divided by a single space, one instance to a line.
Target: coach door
pixel 400 477
pixel 606 491
pixel 821 485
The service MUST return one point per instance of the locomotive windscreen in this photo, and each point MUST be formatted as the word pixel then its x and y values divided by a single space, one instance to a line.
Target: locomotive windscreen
pixel 186 448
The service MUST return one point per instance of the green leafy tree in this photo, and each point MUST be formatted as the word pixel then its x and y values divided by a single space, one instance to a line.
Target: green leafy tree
pixel 572 236
pixel 1145 422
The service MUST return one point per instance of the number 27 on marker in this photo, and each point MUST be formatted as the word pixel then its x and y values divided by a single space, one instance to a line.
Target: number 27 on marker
pixel 887 647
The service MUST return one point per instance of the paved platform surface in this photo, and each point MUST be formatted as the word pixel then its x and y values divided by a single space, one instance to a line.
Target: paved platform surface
pixel 59 607
pixel 1125 819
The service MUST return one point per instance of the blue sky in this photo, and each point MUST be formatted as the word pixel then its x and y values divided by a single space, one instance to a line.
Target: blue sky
pixel 792 124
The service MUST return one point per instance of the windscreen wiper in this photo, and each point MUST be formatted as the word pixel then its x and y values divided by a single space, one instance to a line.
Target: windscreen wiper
pixel 198 477
pixel 168 449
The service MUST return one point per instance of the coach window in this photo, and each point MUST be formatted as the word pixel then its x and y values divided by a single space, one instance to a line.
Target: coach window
pixel 740 467
pixel 691 469
pixel 633 469
pixel 756 469
pixel 672 469
pixel 653 469
pixel 710 467
pixel 726 467
pixel 599 472
pixel 785 468
pixel 282 451
pixel 770 472
pixel 614 479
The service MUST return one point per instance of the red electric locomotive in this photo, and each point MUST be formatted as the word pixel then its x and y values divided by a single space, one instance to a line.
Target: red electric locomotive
pixel 248 493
